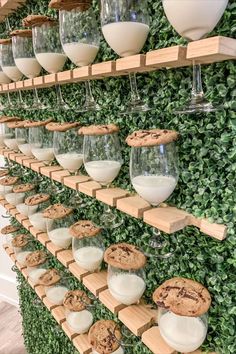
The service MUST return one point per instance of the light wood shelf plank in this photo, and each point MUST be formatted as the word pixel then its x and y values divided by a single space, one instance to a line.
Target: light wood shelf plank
pixel 154 341
pixel 108 300
pixel 96 282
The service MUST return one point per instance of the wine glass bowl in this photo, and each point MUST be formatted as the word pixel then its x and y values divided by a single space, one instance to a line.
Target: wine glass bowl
pixel 7 61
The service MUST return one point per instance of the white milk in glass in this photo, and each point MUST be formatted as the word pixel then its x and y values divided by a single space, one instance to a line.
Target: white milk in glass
pixel 126 38
pixel 25 209
pixel 3 137
pixel 11 144
pixel 193 19
pixel 51 62
pixel 89 258
pixel 28 66
pixel 15 198
pixel 61 237
pixel 35 274
pixel 118 351
pixel 154 189
pixel 12 72
pixel 70 161
pixel 38 221
pixel 184 334
pixel 21 257
pixel 25 149
pixel 4 79
pixel 5 189
pixel 126 288
pixel 103 171
pixel 56 294
pixel 43 154
pixel 80 322
pixel 81 54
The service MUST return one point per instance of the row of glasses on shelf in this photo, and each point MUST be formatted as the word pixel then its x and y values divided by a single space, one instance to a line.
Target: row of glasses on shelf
pixel 125 27
pixel 183 323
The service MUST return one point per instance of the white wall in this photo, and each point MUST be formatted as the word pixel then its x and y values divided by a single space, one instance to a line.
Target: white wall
pixel 8 290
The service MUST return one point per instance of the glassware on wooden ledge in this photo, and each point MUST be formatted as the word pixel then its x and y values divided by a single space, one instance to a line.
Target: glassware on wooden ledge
pixel 41 141
pixel 4 79
pixel 126 275
pixel 19 193
pixel 78 311
pixel 23 246
pixel 103 161
pixel 23 52
pixel 9 232
pixel 125 27
pixel 9 68
pixel 41 201
pixel 37 265
pixel 48 50
pixel 80 39
pixel 22 137
pixel 5 131
pixel 58 220
pixel 182 313
pixel 193 20
pixel 7 183
pixel 87 245
pixel 154 170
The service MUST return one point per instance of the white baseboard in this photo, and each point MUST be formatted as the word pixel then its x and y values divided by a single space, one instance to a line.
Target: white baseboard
pixel 8 290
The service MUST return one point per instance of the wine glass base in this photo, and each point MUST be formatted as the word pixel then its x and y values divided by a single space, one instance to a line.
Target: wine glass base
pixel 61 107
pixel 88 107
pixel 108 221
pixel 39 106
pixel 198 107
pixel 135 108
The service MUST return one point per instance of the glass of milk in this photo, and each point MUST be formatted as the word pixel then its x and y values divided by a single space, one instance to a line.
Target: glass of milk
pixel 36 218
pixel 56 292
pixel 9 235
pixel 58 230
pixel 11 141
pixel 4 79
pixel 9 67
pixel 50 55
pixel 154 176
pixel 193 20
pixel 41 144
pixel 102 162
pixel 5 133
pixel 22 252
pixel 22 138
pixel 25 60
pixel 125 27
pixel 184 334
pixel 80 38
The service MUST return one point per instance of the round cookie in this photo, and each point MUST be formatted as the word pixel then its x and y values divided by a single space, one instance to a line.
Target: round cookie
pixel 104 336
pixel 20 241
pixel 61 127
pixel 42 123
pixel 6 119
pixel 22 33
pixel 151 137
pixel 50 277
pixel 125 256
pixel 184 297
pixel 57 211
pixel 37 199
pixel 99 129
pixel 17 124
pixel 81 5
pixel 8 181
pixel 5 41
pixel 37 20
pixel 4 173
pixel 35 258
pixel 76 300
pixel 22 188
pixel 84 228
pixel 9 229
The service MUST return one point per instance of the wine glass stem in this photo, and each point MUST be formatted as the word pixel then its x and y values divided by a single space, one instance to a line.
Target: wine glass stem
pixel 89 96
pixel 197 90
pixel 60 100
pixel 9 99
pixel 20 97
pixel 134 88
pixel 36 96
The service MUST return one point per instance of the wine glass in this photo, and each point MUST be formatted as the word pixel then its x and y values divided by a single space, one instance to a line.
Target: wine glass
pixel 48 49
pixel 80 39
pixel 9 67
pixel 125 27
pixel 4 79
pixel 103 161
pixel 23 52
pixel 154 173
pixel 193 20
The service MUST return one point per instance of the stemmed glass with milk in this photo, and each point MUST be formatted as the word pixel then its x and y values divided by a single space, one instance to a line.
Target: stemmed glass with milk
pixel 125 27
pixel 80 39
pixel 23 52
pixel 193 20
pixel 4 79
pixel 153 171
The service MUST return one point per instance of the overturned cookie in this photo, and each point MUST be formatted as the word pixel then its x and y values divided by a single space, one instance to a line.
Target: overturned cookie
pixel 84 228
pixel 99 129
pixel 125 256
pixel 151 137
pixel 76 300
pixel 104 336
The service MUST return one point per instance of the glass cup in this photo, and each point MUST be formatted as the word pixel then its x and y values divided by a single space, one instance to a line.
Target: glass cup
pixel 80 39
pixel 58 231
pixel 22 137
pixel 56 293
pixel 22 208
pixel 88 252
pixel 182 333
pixel 154 176
pixel 9 237
pixel 4 79
pixel 37 219
pixel 22 252
pixel 193 20
pixel 103 161
pixel 34 273
pixel 125 27
pixel 49 53
pixel 23 52
pixel 41 143
pixel 126 286
pixel 10 141
pixel 5 133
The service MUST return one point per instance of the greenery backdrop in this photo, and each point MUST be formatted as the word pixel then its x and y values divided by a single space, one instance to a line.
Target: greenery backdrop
pixel 207 152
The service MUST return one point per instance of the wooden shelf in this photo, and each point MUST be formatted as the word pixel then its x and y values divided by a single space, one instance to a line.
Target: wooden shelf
pixel 9 6
pixel 204 51
pixel 167 219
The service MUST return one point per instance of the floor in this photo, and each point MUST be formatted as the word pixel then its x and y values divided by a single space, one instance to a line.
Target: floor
pixel 11 340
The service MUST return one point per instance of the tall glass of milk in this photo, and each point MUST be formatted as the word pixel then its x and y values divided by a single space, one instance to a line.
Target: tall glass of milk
pixel 5 133
pixel 37 203
pixel 125 27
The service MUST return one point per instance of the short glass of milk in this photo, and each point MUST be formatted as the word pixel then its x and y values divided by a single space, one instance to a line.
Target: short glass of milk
pixel 22 138
pixel 58 230
pixel 41 143
pixel 5 133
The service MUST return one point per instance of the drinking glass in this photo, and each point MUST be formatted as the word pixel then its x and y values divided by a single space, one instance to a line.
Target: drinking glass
pixel 49 53
pixel 41 143
pixel 154 176
pixel 103 161
pixel 22 138
pixel 4 79
pixel 58 230
pixel 9 67
pixel 80 39
pixel 23 52
pixel 5 133
pixel 193 20
pixel 125 27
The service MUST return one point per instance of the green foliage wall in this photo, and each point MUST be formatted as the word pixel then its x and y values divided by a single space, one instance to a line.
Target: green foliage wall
pixel 206 188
